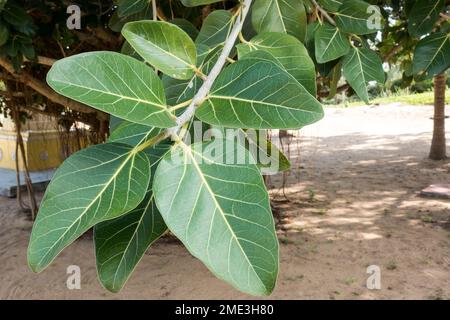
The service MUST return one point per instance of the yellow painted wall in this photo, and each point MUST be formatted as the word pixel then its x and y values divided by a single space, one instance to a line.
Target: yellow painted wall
pixel 42 145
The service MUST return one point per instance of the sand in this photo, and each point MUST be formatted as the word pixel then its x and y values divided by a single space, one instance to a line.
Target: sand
pixel 353 202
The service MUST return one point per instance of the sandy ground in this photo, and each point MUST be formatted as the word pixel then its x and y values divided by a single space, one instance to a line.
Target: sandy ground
pixel 353 202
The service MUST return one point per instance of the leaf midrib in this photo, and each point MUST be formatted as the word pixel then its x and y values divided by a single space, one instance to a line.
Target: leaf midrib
pixel 190 152
pixel 132 153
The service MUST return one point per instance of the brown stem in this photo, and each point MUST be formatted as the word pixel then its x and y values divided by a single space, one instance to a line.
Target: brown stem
pixel 438 145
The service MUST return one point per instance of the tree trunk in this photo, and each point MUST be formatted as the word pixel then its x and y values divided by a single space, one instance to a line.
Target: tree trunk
pixel 438 147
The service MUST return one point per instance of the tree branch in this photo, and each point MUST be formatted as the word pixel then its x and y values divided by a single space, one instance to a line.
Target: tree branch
pixel 212 76
pixel 324 13
pixel 46 91
pixel 46 61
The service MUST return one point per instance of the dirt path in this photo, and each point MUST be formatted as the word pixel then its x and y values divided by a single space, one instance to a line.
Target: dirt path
pixel 353 203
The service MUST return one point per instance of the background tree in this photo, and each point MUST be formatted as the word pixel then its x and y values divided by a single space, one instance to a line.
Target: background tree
pixel 224 62
pixel 417 38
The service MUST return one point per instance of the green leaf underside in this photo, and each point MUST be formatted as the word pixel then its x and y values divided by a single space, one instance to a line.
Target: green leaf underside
pixel 330 43
pixel 221 213
pixel 194 3
pixel 215 28
pixel 268 157
pixel 121 243
pixel 291 54
pixel 423 16
pixel 432 55
pixel 186 26
pixel 129 7
pixel 163 45
pixel 354 17
pixel 331 5
pixel 284 16
pixel 258 95
pixel 178 91
pixel 116 23
pixel 114 83
pixel 133 134
pixel 95 184
pixel 360 66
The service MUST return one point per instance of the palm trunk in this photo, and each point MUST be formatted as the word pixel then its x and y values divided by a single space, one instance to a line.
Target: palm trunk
pixel 438 147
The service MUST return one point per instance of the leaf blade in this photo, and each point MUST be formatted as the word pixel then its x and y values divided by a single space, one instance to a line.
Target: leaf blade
pixel 262 96
pixel 95 184
pixel 90 78
pixel 164 45
pixel 284 16
pixel 220 221
pixel 361 66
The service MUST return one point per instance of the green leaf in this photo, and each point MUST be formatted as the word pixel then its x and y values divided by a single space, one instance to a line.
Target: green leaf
pixel 289 52
pixel 221 213
pixel 285 16
pixel 432 55
pixel 163 45
pixel 114 83
pixel 129 7
pixel 361 66
pixel 194 3
pixel 356 17
pixel 330 43
pixel 4 34
pixel 186 26
pixel 260 95
pixel 268 157
pixel 116 23
pixel 120 243
pixel 95 184
pixel 133 134
pixel 331 5
pixel 423 16
pixel 178 91
pixel 215 28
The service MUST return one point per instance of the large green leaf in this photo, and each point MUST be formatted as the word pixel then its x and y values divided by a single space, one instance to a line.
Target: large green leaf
pixel 120 243
pixel 186 26
pixel 267 156
pixel 133 134
pixel 331 5
pixel 355 16
pixel 95 184
pixel 291 54
pixel 129 7
pixel 330 43
pixel 286 16
pixel 260 95
pixel 194 3
pixel 178 91
pixel 221 212
pixel 164 46
pixel 215 28
pixel 432 55
pixel 423 16
pixel 116 23
pixel 361 66
pixel 114 83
